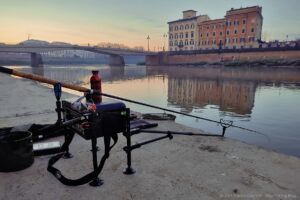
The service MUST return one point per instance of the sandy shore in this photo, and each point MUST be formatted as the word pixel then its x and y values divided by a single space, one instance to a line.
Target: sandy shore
pixel 183 168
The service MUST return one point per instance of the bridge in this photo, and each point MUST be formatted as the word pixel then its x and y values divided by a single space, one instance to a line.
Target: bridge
pixel 115 54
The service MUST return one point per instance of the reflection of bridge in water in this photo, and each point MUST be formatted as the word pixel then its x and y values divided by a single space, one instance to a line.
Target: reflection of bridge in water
pixel 231 89
pixel 80 75
pixel 115 55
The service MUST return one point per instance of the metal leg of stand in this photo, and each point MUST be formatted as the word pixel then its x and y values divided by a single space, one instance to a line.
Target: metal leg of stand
pixel 67 155
pixel 128 170
pixel 97 181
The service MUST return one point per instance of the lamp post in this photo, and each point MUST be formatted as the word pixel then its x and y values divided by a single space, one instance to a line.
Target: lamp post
pixel 148 38
pixel 164 36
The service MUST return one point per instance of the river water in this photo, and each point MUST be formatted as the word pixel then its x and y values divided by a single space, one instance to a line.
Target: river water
pixel 263 99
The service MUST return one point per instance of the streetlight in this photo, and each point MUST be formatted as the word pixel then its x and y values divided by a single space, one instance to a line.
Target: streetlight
pixel 164 36
pixel 148 38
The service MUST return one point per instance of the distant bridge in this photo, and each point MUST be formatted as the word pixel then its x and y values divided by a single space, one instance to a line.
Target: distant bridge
pixel 115 54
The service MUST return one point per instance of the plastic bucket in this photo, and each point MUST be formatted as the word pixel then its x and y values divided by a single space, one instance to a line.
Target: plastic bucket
pixel 16 151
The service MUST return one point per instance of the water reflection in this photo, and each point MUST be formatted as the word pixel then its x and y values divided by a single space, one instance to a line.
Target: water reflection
pixel 231 89
pixel 81 74
pixel 38 70
pixel 232 96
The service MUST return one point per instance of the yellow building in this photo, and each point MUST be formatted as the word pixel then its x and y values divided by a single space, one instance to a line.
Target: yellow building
pixel 183 32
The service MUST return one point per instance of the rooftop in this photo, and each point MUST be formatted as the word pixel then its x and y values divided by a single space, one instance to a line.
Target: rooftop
pixel 213 21
pixel 246 9
pixel 181 20
pixel 189 11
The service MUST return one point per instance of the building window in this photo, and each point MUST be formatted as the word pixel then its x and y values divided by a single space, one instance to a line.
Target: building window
pixel 171 43
pixel 181 35
pixel 206 34
pixel 192 42
pixel 176 35
pixel 221 33
pixel 186 42
pixel 227 32
pixel 171 28
pixel 252 30
pixel 235 32
pixel 176 43
pixel 186 35
pixel 215 42
pixel 186 26
pixel 181 27
pixel 243 30
pixel 251 39
pixel 207 27
pixel 181 43
pixel 237 23
pixel 192 26
pixel 244 21
pixel 201 35
pixel 176 28
pixel 214 33
pixel 192 34
pixel 171 36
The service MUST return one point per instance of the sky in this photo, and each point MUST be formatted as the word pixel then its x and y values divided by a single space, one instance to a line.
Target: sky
pixel 128 21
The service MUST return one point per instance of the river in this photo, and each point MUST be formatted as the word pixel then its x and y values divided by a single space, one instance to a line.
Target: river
pixel 263 99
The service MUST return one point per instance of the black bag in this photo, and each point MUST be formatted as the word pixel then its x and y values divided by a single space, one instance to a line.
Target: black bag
pixel 16 150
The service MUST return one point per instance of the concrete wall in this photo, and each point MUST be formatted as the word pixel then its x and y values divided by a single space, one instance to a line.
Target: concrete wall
pixel 165 59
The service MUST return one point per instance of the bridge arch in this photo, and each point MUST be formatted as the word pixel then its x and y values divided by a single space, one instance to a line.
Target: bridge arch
pixel 116 56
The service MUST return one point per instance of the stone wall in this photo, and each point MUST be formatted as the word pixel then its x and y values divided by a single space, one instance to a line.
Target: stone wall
pixel 165 59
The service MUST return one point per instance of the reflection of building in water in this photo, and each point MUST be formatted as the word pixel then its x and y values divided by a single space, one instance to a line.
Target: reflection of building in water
pixel 233 96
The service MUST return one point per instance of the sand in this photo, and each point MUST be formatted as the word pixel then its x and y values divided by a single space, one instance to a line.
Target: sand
pixel 183 168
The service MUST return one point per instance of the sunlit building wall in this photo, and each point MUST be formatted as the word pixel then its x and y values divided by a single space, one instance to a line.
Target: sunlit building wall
pixel 241 28
pixel 183 32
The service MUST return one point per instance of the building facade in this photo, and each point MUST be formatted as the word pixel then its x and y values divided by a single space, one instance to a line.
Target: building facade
pixel 240 28
pixel 183 32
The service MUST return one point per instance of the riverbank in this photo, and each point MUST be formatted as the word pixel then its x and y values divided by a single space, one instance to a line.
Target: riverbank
pixel 183 168
pixel 282 63
pixel 230 56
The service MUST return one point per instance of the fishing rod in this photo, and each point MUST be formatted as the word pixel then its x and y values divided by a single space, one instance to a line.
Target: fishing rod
pixel 42 79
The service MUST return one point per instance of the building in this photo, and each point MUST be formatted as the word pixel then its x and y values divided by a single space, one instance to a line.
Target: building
pixel 182 32
pixel 240 28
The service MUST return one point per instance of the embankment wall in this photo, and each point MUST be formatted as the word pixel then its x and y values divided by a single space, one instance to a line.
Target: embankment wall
pixel 169 59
